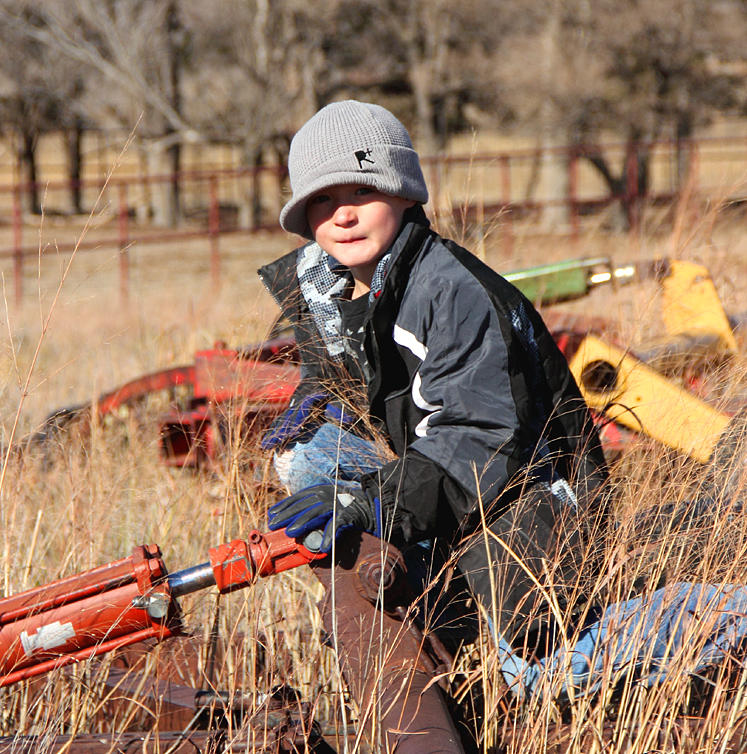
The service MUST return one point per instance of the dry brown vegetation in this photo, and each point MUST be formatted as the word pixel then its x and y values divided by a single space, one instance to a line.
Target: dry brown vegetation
pixel 83 503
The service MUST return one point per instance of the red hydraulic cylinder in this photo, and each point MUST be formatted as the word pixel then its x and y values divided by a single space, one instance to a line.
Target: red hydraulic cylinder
pixel 127 601
pixel 86 615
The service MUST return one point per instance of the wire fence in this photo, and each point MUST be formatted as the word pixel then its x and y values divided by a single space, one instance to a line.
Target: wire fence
pixel 546 188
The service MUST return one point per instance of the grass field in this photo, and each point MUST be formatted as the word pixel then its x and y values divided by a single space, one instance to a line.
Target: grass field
pixel 98 496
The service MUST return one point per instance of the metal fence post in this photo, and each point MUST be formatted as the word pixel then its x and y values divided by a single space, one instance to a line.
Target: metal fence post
pixel 573 194
pixel 17 244
pixel 511 214
pixel 214 233
pixel 508 222
pixel 124 252
pixel 631 188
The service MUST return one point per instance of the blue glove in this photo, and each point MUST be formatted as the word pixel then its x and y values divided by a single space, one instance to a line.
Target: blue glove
pixel 292 421
pixel 311 509
pixel 338 414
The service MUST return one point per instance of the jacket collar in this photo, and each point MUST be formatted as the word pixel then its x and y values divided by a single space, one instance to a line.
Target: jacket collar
pixel 407 244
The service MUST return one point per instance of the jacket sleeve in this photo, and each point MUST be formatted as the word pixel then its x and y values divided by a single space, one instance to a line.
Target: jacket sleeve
pixel 465 425
pixel 417 499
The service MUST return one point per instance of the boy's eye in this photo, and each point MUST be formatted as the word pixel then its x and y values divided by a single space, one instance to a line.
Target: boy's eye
pixel 319 199
pixel 363 190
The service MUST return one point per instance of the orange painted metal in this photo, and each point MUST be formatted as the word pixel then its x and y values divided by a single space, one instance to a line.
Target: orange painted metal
pixel 222 374
pixel 226 385
pixel 124 602
pixel 141 386
pixel 233 391
pixel 86 615
pixel 239 563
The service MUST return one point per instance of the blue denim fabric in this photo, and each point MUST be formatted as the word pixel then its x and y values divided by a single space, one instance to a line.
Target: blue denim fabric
pixel 642 636
pixel 327 454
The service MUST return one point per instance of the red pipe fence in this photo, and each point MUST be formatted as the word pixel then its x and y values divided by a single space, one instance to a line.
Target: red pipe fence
pixel 477 188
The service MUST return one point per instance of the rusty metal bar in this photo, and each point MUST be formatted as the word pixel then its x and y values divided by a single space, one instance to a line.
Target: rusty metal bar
pixel 214 232
pixel 164 379
pixel 508 222
pixel 146 742
pixel 671 735
pixel 214 741
pixel 17 245
pixel 386 668
pixel 123 237
pixel 471 159
pixel 113 241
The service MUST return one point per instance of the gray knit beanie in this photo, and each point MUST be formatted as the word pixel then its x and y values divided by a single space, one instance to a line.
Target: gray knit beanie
pixel 350 143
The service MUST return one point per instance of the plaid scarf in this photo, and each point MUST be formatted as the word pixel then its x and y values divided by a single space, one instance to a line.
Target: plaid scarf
pixel 322 281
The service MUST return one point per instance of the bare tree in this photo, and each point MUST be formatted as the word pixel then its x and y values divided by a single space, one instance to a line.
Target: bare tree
pixel 668 64
pixel 249 72
pixel 133 49
pixel 258 67
pixel 30 101
pixel 427 56
pixel 642 69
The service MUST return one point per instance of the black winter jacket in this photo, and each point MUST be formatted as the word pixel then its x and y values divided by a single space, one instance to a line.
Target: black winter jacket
pixel 464 379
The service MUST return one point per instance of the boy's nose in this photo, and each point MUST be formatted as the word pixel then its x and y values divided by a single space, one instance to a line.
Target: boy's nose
pixel 344 214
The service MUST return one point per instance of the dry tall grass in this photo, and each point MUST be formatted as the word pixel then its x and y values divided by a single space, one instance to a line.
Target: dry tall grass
pixel 89 500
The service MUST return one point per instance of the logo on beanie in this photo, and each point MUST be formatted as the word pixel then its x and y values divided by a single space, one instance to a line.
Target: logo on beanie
pixel 362 156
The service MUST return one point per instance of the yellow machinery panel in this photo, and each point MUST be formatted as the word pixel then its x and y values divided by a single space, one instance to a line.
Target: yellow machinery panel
pixel 691 305
pixel 624 389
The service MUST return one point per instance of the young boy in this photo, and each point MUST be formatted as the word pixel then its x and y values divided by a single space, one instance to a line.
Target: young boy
pixel 483 418
pixel 458 371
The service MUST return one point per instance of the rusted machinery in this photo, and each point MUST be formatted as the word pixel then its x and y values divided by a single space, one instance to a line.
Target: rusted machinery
pixel 641 392
pixel 229 396
pixel 251 385
pixel 222 403
pixel 126 601
pixel 389 671
pixel 135 599
pixel 223 385
pixel 392 669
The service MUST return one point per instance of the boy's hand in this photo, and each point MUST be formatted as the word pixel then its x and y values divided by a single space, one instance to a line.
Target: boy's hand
pixel 312 508
pixel 292 421
pixel 338 414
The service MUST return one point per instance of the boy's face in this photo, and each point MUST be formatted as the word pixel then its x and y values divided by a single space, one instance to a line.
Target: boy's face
pixel 355 225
